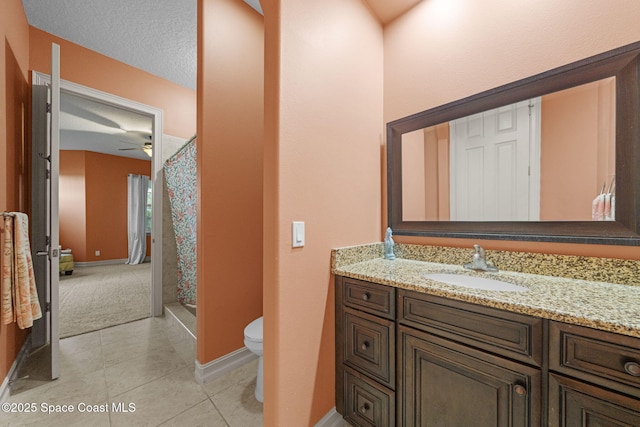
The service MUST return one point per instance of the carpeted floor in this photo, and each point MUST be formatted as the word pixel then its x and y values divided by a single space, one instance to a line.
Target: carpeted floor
pixel 97 297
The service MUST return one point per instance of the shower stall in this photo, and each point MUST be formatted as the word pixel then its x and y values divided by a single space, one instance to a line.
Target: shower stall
pixel 180 177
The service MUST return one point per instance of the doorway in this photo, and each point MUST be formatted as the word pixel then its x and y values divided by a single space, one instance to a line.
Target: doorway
pixel 155 117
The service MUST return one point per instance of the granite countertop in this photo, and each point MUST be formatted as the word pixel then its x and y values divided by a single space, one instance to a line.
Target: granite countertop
pixel 600 305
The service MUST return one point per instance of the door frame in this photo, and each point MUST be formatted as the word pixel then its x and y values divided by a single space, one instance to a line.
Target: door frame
pixel 38 78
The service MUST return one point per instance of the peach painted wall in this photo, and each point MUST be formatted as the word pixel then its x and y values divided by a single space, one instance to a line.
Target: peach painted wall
pixel 574 164
pixel 89 68
pixel 323 145
pixel 414 179
pixel 73 203
pixel 442 50
pixel 97 199
pixel 14 149
pixel 229 173
pixel 425 174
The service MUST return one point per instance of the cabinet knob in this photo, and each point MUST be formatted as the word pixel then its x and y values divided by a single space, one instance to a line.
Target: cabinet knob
pixel 364 408
pixel 520 390
pixel 366 296
pixel 632 368
pixel 365 345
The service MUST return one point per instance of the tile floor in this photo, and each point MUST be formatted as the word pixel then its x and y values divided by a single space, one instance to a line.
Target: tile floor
pixel 148 365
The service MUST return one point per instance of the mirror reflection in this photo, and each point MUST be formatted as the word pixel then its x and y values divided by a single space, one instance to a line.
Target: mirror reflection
pixel 550 158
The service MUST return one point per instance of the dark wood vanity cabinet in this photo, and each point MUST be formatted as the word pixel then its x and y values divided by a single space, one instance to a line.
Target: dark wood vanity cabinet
pixel 594 377
pixel 365 352
pixel 407 358
pixel 461 364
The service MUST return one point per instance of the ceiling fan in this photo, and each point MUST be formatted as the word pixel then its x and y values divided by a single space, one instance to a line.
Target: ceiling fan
pixel 147 147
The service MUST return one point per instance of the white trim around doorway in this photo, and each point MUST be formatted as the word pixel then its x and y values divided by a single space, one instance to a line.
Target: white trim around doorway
pixel 156 170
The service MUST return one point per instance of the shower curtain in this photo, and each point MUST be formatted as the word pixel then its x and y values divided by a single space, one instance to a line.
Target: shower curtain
pixel 136 213
pixel 180 175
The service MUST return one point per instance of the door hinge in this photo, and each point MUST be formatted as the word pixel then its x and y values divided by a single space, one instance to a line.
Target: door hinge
pixel 48 107
pixel 47 240
pixel 47 174
pixel 47 307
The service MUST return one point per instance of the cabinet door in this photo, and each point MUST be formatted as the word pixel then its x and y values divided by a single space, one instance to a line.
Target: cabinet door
pixel 447 384
pixel 576 404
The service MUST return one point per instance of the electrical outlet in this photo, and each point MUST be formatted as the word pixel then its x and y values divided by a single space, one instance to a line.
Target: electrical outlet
pixel 97 253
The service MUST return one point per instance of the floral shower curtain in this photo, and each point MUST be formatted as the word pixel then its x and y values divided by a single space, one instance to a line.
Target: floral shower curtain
pixel 180 175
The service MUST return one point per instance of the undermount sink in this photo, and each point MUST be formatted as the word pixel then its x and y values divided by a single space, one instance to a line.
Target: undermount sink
pixel 475 282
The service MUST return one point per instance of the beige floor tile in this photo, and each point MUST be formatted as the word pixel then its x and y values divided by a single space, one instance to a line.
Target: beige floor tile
pixel 84 342
pixel 59 420
pixel 142 329
pixel 186 349
pixel 140 370
pixel 242 375
pixel 115 352
pixel 80 362
pixel 141 363
pixel 159 400
pixel 71 391
pixel 238 405
pixel 204 414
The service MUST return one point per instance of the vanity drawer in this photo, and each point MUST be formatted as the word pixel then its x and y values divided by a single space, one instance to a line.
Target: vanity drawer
pixel 576 403
pixel 369 344
pixel 370 297
pixel 600 357
pixel 367 403
pixel 508 334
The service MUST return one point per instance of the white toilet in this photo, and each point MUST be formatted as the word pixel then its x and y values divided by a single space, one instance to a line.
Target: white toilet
pixel 253 341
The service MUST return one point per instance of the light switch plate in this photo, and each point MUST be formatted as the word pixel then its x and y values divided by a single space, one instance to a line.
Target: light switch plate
pixel 297 234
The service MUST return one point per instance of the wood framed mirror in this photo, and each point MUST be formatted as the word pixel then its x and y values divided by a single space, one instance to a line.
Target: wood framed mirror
pixel 620 66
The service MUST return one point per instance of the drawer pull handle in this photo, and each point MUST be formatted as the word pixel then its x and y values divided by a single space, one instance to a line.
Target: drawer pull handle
pixel 365 345
pixel 364 408
pixel 632 368
pixel 366 296
pixel 520 390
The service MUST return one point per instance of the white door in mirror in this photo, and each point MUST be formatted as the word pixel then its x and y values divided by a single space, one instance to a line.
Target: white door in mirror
pixel 297 234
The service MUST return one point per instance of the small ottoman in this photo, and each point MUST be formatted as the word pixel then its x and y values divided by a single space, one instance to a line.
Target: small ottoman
pixel 66 262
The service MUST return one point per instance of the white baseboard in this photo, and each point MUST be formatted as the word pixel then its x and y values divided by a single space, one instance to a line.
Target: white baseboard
pixel 105 262
pixel 222 365
pixel 331 419
pixel 15 367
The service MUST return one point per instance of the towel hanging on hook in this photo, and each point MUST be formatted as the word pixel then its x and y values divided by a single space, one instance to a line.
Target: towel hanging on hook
pixel 19 296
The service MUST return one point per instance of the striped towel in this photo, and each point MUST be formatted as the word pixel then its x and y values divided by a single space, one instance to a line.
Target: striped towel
pixel 19 297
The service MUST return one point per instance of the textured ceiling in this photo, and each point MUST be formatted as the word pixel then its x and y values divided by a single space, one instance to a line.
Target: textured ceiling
pixel 158 36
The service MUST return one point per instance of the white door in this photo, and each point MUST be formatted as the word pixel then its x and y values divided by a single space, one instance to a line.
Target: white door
pixel 492 165
pixel 44 221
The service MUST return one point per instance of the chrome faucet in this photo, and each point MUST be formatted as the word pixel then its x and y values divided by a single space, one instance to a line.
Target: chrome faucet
pixel 479 262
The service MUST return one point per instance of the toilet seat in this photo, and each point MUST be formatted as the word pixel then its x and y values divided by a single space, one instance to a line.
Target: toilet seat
pixel 253 331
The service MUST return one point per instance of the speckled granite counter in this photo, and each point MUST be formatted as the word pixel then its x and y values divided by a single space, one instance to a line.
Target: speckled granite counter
pixel 607 306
